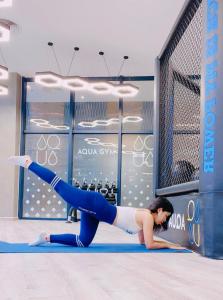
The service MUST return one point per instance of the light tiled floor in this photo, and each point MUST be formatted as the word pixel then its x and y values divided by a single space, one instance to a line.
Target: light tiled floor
pixel 121 276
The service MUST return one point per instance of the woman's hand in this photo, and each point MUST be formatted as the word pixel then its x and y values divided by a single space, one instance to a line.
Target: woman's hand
pixel 177 247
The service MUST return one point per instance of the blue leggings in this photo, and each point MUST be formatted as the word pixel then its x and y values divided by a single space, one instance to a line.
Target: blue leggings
pixel 93 206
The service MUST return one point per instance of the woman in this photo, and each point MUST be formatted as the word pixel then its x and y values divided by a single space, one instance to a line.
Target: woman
pixel 95 208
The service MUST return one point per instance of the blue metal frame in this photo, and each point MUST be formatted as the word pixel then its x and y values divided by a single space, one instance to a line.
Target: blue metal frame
pixel 156 126
pixel 22 146
pixel 70 143
pixel 71 132
pixel 119 178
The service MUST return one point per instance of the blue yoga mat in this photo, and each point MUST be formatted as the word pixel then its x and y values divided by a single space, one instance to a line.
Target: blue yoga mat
pixel 93 248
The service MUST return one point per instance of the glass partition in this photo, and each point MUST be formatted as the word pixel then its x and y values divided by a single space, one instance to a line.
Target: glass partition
pixel 46 109
pixel 95 158
pixel 137 170
pixel 96 112
pixel 138 111
pixel 89 153
pixel 39 198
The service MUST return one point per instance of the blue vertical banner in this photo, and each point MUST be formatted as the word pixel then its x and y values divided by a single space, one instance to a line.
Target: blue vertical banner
pixel 211 155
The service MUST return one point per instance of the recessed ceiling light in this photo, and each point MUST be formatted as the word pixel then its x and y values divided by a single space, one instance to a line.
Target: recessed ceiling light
pixel 5 3
pixel 3 90
pixel 48 79
pixel 4 74
pixel 4 32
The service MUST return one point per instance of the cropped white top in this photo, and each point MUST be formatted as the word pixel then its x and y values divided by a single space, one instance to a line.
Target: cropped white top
pixel 126 219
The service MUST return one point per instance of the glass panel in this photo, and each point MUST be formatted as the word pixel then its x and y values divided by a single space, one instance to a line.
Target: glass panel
pixel 39 199
pixel 46 108
pixel 96 112
pixel 137 170
pixel 95 158
pixel 138 111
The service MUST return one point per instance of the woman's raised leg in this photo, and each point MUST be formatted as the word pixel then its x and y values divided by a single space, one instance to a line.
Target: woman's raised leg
pixel 90 202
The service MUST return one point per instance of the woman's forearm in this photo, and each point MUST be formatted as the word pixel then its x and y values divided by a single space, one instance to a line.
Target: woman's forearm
pixel 159 245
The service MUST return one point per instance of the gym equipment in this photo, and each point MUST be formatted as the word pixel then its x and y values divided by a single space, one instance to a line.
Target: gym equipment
pixel 77 184
pixel 84 186
pixel 111 198
pixel 114 188
pixel 195 175
pixel 108 187
pixel 182 172
pixel 104 191
pixel 99 186
pixel 72 215
pixel 92 187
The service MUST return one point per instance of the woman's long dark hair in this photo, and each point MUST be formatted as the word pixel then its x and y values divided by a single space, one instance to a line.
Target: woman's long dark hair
pixel 161 202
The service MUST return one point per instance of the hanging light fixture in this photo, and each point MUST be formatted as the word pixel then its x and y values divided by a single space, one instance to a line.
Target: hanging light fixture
pixel 75 83
pixel 5 3
pixel 4 74
pixel 3 90
pixel 101 88
pixel 125 90
pixel 48 79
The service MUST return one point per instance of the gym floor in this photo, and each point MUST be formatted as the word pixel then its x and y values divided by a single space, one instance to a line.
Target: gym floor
pixel 104 276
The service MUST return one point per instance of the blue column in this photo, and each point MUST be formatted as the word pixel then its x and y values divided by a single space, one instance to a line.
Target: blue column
pixel 211 157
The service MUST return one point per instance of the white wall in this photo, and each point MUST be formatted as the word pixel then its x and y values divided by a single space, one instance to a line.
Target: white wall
pixel 9 145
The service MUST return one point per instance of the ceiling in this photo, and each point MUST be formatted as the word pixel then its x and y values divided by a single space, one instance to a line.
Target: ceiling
pixel 137 28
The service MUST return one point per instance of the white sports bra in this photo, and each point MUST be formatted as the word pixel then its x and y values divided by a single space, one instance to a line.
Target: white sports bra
pixel 126 219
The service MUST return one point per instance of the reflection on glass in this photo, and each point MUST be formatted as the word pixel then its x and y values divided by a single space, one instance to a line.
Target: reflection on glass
pixel 46 109
pixel 95 158
pixel 140 107
pixel 137 168
pixel 96 112
pixel 39 199
pixel 138 116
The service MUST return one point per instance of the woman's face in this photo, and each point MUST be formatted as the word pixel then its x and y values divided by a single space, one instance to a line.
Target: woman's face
pixel 161 216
